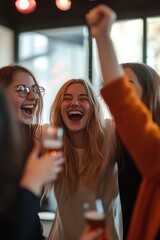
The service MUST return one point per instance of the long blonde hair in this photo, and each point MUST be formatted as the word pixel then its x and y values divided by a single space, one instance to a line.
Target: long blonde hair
pixel 93 156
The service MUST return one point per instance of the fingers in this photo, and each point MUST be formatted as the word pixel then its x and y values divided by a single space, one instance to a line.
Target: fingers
pixel 91 234
pixel 57 169
pixel 99 14
pixel 57 156
pixel 55 172
pixel 58 161
pixel 57 165
pixel 54 156
pixel 95 234
pixel 106 235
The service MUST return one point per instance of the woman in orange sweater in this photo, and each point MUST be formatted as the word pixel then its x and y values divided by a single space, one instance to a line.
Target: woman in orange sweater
pixel 146 83
pixel 134 124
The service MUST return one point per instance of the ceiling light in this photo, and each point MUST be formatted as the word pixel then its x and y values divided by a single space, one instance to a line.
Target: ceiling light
pixel 63 5
pixel 25 6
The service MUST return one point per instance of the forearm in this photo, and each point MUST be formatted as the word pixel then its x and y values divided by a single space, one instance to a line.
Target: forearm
pixel 110 68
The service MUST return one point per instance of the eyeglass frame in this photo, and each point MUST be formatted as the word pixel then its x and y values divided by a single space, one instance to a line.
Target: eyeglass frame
pixel 27 90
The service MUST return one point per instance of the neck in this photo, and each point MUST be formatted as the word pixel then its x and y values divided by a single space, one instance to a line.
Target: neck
pixel 78 139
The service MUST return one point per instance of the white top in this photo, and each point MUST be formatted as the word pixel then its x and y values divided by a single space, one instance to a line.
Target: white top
pixel 69 221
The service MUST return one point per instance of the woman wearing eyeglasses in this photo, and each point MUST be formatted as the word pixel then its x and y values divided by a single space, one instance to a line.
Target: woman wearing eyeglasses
pixel 25 97
pixel 22 89
pixel 21 185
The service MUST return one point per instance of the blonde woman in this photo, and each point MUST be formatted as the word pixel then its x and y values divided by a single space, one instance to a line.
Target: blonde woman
pixel 90 168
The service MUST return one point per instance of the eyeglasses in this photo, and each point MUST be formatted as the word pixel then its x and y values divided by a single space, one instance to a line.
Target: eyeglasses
pixel 24 90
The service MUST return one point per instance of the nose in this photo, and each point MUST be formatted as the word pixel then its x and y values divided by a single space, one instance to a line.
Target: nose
pixel 75 102
pixel 32 95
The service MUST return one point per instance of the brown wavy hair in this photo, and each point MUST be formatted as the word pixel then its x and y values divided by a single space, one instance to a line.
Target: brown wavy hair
pixel 7 77
pixel 149 80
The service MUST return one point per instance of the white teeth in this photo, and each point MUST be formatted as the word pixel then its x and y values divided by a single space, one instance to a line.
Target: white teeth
pixel 28 106
pixel 75 112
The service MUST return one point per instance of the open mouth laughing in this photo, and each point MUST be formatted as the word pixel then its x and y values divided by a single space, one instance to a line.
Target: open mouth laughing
pixel 75 115
pixel 28 109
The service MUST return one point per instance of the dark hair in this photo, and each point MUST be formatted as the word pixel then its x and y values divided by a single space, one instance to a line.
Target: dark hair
pixel 10 156
pixel 149 80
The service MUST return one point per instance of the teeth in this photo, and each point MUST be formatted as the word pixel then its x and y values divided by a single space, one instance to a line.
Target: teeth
pixel 75 112
pixel 28 106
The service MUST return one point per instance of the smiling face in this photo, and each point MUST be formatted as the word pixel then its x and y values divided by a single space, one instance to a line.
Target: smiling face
pixel 23 107
pixel 75 108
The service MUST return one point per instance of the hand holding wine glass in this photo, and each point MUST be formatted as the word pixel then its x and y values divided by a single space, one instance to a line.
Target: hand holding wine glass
pixel 52 141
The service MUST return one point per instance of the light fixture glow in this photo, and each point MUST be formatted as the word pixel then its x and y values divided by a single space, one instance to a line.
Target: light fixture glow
pixel 63 5
pixel 25 6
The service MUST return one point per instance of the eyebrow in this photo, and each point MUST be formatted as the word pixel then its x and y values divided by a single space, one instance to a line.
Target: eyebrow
pixel 25 85
pixel 81 95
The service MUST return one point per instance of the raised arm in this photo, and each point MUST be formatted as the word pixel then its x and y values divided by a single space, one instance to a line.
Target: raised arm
pixel 100 20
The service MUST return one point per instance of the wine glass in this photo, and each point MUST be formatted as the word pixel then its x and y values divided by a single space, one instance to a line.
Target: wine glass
pixel 52 140
pixel 94 214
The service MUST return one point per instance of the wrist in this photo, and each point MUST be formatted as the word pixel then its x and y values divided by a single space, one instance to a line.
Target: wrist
pixel 31 185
